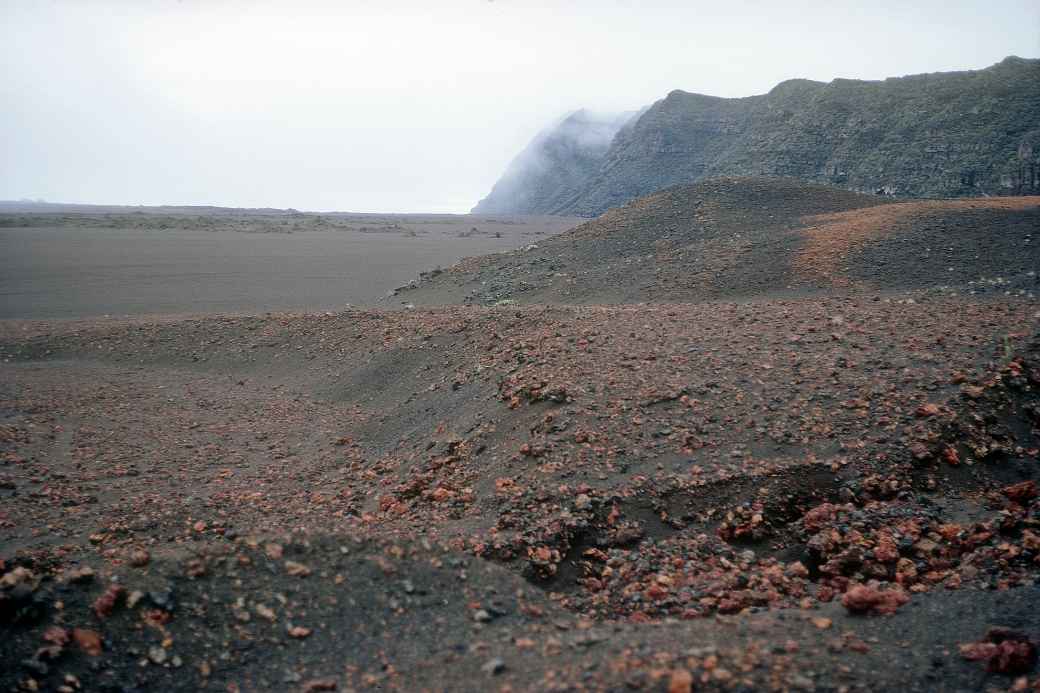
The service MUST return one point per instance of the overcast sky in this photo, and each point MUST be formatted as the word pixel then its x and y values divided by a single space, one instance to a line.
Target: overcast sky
pixel 405 106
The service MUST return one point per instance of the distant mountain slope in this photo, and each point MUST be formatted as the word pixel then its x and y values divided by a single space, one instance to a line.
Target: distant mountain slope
pixel 740 237
pixel 936 135
pixel 555 166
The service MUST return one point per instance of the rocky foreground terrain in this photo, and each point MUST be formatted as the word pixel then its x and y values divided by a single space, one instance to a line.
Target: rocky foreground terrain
pixel 825 479
pixel 947 134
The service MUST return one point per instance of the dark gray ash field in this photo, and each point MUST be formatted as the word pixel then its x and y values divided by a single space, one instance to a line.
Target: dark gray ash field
pixel 79 261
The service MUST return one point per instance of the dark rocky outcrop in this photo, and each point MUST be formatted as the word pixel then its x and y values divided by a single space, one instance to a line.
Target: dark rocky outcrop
pixel 955 134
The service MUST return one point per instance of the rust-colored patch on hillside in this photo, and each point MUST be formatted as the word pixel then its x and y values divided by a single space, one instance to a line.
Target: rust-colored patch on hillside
pixel 830 238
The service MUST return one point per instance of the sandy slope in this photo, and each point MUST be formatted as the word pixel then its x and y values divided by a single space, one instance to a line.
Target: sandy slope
pixel 744 237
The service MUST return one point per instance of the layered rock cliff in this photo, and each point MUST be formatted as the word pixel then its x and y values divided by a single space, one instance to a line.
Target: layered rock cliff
pixel 949 134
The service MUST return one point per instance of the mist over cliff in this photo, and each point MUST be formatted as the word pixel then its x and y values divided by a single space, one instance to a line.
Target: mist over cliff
pixel 951 134
pixel 555 166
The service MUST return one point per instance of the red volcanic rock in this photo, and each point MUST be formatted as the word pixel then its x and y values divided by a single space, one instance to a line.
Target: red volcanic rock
pixel 862 599
pixel 88 641
pixel 1021 493
pixel 106 603
pixel 926 410
pixel 1005 651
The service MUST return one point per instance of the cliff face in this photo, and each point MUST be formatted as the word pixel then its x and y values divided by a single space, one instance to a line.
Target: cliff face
pixel 937 135
pixel 550 173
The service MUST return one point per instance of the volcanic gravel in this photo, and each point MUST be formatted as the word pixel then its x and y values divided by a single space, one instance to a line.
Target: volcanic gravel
pixel 829 490
pixel 624 465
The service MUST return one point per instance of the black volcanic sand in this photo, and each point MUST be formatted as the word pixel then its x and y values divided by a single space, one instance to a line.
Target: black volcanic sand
pixel 834 489
pixel 734 238
pixel 92 264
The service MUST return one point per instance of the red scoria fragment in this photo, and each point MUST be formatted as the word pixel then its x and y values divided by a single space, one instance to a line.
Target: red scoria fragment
pixel 139 558
pixel 973 391
pixel 56 635
pixel 88 641
pixel 819 516
pixel 926 410
pixel 1021 493
pixel 886 550
pixel 1005 651
pixel 104 605
pixel 681 681
pixel 441 494
pixel 861 599
pixel 920 451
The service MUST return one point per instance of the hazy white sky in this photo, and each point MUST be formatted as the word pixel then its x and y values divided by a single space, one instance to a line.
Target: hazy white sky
pixel 400 105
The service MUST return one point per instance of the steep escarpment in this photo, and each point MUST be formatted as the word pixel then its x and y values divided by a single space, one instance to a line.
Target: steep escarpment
pixel 956 134
pixel 555 166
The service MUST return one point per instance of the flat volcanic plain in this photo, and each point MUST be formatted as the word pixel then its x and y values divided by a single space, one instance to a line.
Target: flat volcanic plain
pixel 93 262
pixel 818 482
